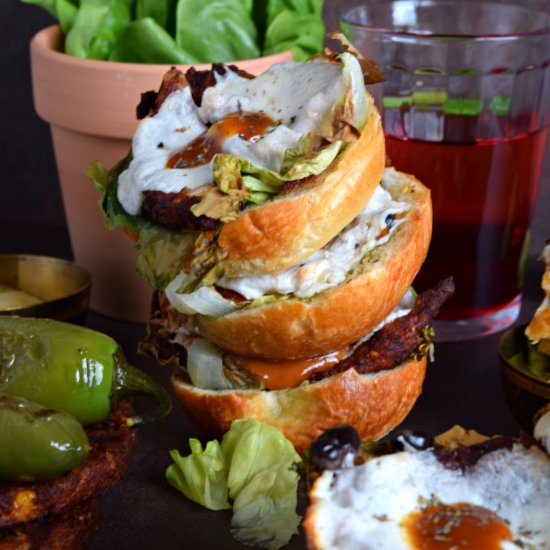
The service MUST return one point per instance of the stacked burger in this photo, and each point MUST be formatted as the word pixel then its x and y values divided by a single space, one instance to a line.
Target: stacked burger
pixel 281 249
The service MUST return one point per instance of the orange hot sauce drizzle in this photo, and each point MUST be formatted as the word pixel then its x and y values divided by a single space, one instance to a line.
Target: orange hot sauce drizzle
pixel 202 149
pixel 288 374
pixel 454 526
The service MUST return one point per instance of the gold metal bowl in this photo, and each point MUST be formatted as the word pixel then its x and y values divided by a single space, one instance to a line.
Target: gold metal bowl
pixel 525 392
pixel 62 287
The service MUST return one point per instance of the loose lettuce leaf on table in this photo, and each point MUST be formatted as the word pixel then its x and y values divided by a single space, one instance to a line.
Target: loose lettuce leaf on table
pixel 200 476
pixel 261 481
pixel 216 30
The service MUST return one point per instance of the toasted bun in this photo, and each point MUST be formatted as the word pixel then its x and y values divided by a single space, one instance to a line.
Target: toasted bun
pixel 283 232
pixel 372 403
pixel 342 315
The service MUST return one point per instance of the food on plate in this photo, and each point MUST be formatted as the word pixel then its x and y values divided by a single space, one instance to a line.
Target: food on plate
pixel 13 298
pixel 184 31
pixel 71 369
pixel 66 429
pixel 538 330
pixel 458 490
pixel 253 472
pixel 281 250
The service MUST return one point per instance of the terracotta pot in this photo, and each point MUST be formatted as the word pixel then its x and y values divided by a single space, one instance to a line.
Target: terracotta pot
pixel 90 106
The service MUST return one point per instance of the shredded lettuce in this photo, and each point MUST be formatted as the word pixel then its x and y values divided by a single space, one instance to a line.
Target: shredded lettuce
pixel 161 251
pixel 239 182
pixel 205 366
pixel 260 480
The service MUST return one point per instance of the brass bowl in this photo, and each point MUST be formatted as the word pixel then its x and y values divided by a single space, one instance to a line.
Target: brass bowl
pixel 63 286
pixel 524 392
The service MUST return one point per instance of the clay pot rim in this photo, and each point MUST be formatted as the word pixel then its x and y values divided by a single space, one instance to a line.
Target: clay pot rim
pixel 47 40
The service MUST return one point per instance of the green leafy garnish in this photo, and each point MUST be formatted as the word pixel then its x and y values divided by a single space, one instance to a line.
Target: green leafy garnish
pixel 161 251
pixel 254 467
pixel 200 476
pixel 185 31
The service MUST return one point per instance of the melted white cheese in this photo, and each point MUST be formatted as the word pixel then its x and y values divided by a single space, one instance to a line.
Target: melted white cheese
pixel 330 265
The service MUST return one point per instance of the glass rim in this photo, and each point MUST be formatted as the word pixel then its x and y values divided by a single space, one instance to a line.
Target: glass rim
pixel 346 18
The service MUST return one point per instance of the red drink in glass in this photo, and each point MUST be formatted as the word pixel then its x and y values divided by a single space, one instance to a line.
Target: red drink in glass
pixel 483 199
pixel 465 107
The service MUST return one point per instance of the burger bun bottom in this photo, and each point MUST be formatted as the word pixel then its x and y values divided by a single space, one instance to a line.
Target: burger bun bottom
pixel 372 403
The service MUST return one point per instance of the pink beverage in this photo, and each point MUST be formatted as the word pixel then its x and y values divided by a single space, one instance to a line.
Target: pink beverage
pixel 483 199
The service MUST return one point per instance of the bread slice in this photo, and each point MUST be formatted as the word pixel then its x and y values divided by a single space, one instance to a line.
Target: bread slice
pixel 282 232
pixel 372 403
pixel 297 328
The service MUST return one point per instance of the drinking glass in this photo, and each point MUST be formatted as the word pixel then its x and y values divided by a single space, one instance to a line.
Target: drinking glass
pixel 465 108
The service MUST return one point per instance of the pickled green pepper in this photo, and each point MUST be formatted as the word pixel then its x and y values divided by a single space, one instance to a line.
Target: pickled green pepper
pixel 72 369
pixel 37 443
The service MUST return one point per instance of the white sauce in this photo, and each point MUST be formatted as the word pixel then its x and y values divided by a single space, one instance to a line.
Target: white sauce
pixel 362 507
pixel 330 265
pixel 299 110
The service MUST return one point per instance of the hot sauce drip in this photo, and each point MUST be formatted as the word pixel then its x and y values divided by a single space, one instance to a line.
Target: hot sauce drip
pixel 247 125
pixel 453 526
pixel 288 374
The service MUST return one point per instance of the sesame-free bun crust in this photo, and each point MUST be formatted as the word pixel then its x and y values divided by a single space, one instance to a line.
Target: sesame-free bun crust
pixel 372 403
pixel 337 317
pixel 282 232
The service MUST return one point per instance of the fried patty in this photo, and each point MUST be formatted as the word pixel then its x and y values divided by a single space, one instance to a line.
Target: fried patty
pixel 173 210
pixel 111 446
pixel 398 340
pixel 393 344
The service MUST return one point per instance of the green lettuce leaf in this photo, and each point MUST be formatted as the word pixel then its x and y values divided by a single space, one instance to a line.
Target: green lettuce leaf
pixel 302 34
pixel 262 483
pixel 117 17
pixel 239 182
pixel 87 21
pixel 260 477
pixel 200 476
pixel 220 30
pixel 62 10
pixel 145 41
pixel 274 7
pixel 205 366
pixel 162 11
pixel 161 251
pixel 161 254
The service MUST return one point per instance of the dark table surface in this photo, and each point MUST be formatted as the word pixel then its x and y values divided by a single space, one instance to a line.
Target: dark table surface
pixel 462 386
